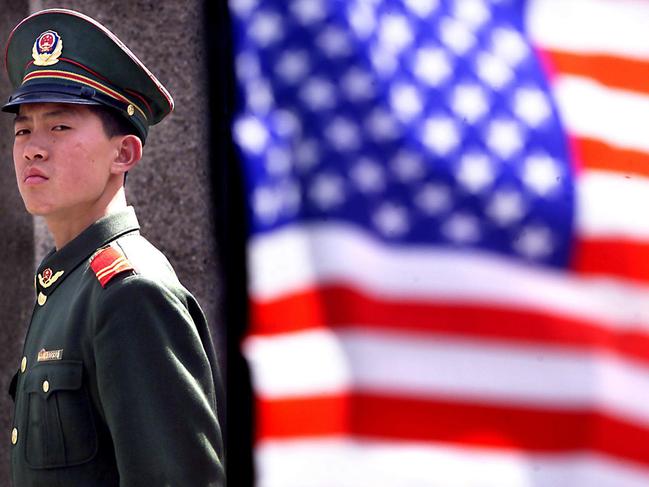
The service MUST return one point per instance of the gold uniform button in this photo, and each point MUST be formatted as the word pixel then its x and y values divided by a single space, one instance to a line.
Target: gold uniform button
pixel 14 436
pixel 23 364
pixel 46 386
pixel 130 110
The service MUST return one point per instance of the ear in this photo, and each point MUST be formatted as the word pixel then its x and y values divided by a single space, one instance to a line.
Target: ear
pixel 129 153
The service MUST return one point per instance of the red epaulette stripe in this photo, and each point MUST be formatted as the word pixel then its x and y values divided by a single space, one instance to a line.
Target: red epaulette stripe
pixel 107 263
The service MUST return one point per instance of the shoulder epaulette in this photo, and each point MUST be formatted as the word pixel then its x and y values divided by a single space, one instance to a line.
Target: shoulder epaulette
pixel 108 263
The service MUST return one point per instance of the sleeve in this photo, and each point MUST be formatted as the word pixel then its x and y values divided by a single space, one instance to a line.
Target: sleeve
pixel 156 387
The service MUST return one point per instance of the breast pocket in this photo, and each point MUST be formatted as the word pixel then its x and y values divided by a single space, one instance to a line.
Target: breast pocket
pixel 60 430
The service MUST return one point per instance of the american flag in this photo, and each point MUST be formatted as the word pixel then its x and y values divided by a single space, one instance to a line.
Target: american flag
pixel 449 240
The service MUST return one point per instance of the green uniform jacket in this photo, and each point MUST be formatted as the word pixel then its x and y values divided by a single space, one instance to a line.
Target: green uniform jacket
pixel 117 384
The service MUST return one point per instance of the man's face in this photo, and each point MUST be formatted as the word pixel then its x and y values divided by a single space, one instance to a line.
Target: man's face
pixel 62 158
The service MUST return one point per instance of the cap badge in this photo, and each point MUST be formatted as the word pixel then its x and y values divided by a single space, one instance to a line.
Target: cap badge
pixel 47 48
pixel 47 278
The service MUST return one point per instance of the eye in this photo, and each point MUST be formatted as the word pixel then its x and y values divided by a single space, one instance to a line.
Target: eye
pixel 59 128
pixel 20 132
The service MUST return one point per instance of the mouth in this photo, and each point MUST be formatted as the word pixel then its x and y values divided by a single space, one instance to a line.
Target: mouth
pixel 34 176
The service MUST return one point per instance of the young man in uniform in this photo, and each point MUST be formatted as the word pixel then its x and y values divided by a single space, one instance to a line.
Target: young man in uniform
pixel 116 386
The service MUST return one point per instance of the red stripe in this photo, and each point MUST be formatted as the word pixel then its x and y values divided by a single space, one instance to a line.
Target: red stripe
pixel 499 427
pixel 616 72
pixel 595 154
pixel 613 257
pixel 339 306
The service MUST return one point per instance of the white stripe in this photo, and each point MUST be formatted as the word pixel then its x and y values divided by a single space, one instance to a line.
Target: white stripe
pixel 589 109
pixel 613 205
pixel 333 462
pixel 419 366
pixel 296 258
pixel 591 26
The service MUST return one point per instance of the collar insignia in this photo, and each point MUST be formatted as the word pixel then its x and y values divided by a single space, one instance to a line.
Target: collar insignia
pixel 47 48
pixel 47 278
pixel 46 356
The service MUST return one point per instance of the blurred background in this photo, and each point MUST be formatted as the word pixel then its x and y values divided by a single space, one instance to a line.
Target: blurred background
pixel 418 229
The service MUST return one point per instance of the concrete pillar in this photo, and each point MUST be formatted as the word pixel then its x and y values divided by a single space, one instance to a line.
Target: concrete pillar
pixel 170 189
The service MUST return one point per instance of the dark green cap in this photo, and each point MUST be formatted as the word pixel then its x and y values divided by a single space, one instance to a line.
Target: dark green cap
pixel 63 56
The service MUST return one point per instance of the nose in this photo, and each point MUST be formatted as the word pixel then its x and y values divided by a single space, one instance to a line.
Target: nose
pixel 34 150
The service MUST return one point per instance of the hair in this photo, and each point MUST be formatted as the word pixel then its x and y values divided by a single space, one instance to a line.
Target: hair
pixel 114 124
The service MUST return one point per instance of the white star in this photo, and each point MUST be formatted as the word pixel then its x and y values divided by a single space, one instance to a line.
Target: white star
pixel 469 101
pixel 506 207
pixel 504 137
pixel 357 84
pixel 290 191
pixel 266 204
pixel 475 173
pixel 318 94
pixel 308 12
pixel 334 42
pixel 456 36
pixel 472 12
pixel 381 125
pixel 259 96
pixel 242 8
pixel 342 134
pixel 408 166
pixel 278 161
pixel 493 70
pixel 286 123
pixel 440 134
pixel 292 66
pixel 327 191
pixel 432 66
pixel 251 134
pixel 391 220
pixel 462 228
pixel 385 62
pixel 395 32
pixel 406 101
pixel 433 199
pixel 247 66
pixel 307 155
pixel 362 18
pixel 532 106
pixel 534 242
pixel 368 176
pixel 509 45
pixel 422 8
pixel 266 28
pixel 541 173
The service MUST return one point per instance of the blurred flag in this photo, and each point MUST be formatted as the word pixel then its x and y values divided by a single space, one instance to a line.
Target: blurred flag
pixel 449 242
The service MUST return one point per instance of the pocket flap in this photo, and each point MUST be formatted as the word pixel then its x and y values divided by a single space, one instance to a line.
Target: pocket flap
pixel 60 376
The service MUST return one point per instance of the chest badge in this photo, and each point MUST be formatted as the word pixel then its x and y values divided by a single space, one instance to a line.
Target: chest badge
pixel 47 48
pixel 49 355
pixel 48 277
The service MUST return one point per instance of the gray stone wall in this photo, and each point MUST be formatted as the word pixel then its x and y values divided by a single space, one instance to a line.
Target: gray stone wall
pixel 170 189
pixel 17 250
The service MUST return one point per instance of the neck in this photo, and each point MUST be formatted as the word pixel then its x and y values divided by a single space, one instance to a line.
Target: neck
pixel 66 228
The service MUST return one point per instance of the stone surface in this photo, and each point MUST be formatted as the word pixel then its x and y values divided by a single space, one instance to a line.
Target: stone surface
pixel 17 247
pixel 170 189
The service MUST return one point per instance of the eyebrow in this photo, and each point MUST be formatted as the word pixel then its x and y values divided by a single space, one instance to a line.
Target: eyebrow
pixel 57 112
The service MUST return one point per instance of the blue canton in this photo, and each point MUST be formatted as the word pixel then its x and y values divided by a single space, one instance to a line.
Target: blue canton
pixel 425 122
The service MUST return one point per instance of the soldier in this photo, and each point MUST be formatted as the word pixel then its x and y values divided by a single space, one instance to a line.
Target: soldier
pixel 116 386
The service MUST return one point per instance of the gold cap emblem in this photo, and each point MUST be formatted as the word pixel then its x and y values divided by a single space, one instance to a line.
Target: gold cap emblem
pixel 47 48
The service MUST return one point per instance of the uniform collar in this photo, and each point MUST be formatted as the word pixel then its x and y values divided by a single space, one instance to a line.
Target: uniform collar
pixel 58 264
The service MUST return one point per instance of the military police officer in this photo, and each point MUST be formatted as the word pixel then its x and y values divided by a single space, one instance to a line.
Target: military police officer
pixel 116 386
